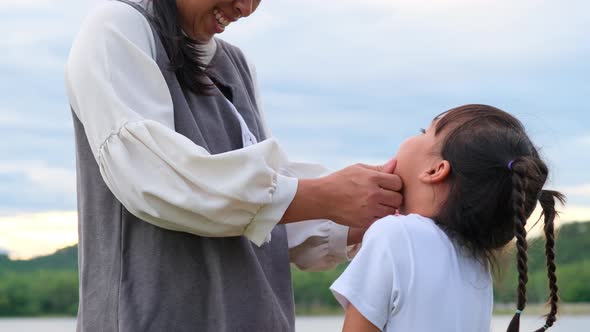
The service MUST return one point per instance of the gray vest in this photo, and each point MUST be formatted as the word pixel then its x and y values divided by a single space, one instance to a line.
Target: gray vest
pixel 136 277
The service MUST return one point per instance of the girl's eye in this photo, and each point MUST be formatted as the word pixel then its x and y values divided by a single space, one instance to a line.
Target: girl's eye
pixel 423 131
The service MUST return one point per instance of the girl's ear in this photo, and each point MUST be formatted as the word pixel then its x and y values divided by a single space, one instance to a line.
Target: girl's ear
pixel 437 174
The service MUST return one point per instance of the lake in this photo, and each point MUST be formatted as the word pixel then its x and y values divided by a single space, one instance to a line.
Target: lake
pixel 303 324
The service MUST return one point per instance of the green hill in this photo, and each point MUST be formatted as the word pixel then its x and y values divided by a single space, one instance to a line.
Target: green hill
pixel 48 285
pixel 63 259
pixel 44 286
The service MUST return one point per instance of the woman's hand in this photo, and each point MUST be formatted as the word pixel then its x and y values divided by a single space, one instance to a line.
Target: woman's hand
pixel 355 196
pixel 360 194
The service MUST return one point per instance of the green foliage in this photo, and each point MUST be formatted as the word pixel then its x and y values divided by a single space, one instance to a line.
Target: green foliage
pixel 49 285
pixel 42 292
pixel 41 286
pixel 573 268
pixel 312 293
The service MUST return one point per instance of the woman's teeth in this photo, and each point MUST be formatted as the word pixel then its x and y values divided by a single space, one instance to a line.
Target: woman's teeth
pixel 220 18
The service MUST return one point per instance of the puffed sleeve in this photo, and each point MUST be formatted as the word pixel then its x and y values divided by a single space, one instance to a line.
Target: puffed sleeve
pixel 314 245
pixel 118 93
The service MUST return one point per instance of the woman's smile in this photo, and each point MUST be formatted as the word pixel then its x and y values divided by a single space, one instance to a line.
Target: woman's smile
pixel 202 19
pixel 222 19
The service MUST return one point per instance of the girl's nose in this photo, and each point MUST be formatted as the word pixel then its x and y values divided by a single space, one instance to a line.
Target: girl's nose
pixel 244 7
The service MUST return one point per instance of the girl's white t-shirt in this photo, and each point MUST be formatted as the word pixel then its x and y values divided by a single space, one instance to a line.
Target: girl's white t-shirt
pixel 409 276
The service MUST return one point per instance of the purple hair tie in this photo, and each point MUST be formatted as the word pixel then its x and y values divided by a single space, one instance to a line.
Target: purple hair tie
pixel 510 164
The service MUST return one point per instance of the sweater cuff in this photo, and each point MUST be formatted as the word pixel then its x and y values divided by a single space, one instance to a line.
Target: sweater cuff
pixel 339 248
pixel 338 242
pixel 270 214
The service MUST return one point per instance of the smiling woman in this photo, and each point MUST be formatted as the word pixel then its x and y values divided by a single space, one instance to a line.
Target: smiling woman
pixel 189 211
pixel 195 23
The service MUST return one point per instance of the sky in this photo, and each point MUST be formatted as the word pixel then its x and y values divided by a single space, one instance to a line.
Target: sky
pixel 342 82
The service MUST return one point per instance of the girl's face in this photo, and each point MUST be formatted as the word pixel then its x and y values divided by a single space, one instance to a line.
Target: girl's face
pixel 202 19
pixel 419 167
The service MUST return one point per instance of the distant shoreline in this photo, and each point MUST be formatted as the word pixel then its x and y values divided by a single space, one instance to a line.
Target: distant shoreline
pixel 571 309
pixel 533 309
pixel 501 309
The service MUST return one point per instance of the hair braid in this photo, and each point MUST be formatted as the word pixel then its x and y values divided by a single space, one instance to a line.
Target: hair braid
pixel 547 200
pixel 520 217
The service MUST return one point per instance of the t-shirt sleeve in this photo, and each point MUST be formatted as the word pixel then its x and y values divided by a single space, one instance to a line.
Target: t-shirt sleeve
pixel 372 280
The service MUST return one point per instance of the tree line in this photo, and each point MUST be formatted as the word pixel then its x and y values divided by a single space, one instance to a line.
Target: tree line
pixel 48 286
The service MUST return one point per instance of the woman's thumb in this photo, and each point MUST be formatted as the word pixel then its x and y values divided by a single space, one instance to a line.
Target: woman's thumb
pixel 390 166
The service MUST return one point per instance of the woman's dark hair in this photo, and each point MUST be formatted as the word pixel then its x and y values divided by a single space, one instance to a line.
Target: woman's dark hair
pixel 497 178
pixel 184 53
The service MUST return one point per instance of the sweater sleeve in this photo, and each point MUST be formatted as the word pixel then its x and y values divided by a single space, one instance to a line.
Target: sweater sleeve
pixel 118 93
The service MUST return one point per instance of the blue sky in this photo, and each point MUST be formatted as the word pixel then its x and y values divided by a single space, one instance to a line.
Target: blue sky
pixel 342 81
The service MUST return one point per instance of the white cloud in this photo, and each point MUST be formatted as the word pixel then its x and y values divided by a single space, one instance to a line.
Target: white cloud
pixel 35 31
pixel 580 190
pixel 41 176
pixel 46 120
pixel 575 213
pixel 584 141
pixel 12 4
pixel 346 51
pixel 567 214
pixel 29 235
pixel 412 41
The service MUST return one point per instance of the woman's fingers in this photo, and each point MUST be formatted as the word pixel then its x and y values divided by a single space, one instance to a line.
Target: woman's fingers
pixel 360 193
pixel 389 181
pixel 390 198
pixel 384 177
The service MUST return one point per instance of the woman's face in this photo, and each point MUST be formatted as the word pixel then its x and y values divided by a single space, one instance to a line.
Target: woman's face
pixel 202 19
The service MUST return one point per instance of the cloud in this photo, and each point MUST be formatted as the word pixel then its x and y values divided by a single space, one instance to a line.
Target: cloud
pixel 343 81
pixel 39 32
pixel 582 191
pixel 567 214
pixel 30 235
pixel 41 176
pixel 575 213
pixel 27 235
pixel 12 4
pixel 584 141
pixel 416 42
pixel 46 120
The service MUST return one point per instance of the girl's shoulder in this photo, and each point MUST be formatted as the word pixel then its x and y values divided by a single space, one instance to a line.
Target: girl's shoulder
pixel 407 226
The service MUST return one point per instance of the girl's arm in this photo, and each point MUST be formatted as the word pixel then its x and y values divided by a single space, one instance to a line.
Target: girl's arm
pixel 356 322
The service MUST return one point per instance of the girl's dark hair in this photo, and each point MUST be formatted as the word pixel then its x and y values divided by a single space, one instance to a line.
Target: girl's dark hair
pixel 496 180
pixel 184 53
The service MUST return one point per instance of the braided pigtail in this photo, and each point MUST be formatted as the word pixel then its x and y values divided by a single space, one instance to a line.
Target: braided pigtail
pixel 520 217
pixel 547 200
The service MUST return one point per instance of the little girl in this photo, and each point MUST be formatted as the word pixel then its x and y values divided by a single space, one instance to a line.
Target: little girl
pixel 471 181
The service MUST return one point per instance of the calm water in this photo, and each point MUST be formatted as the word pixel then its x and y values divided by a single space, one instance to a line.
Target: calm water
pixel 304 324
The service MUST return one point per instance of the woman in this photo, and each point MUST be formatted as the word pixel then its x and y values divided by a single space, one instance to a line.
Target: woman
pixel 180 188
